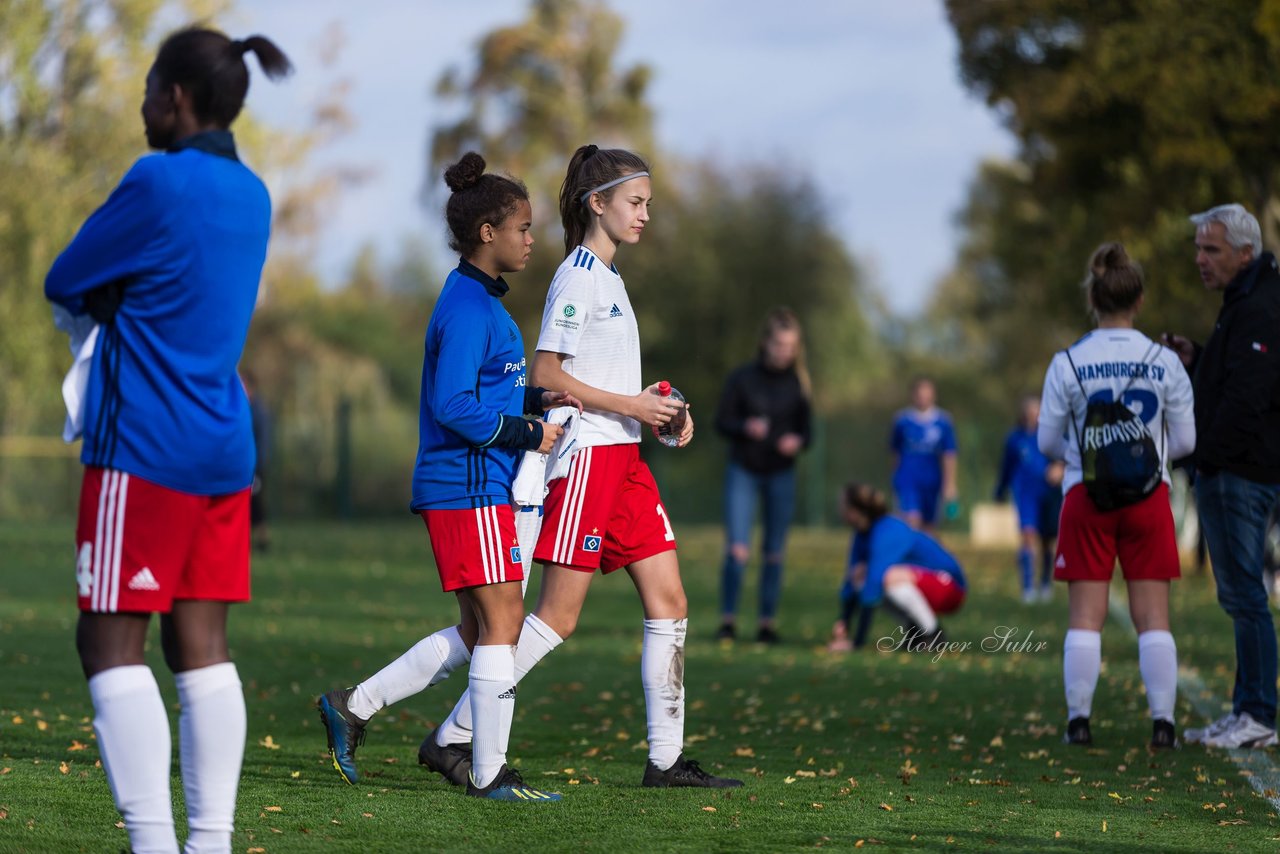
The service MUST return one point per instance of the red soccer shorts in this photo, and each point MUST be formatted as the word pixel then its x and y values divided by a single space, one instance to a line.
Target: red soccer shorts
pixel 939 589
pixel 1141 536
pixel 476 547
pixel 605 514
pixel 140 546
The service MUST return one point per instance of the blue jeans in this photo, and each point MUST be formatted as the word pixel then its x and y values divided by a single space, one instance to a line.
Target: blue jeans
pixel 741 491
pixel 1233 513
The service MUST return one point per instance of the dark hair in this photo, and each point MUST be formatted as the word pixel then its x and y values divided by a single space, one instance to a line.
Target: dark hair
pixel 867 500
pixel 1114 281
pixel 478 198
pixel 211 68
pixel 589 168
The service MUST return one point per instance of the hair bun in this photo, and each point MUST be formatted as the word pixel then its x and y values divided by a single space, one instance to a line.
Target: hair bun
pixel 467 172
pixel 589 150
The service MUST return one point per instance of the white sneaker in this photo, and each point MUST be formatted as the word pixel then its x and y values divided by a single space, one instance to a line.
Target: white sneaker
pixel 1213 730
pixel 1046 593
pixel 1246 732
pixel 1029 596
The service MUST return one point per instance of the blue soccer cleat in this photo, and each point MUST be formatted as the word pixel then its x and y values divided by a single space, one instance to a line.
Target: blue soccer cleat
pixel 344 730
pixel 509 786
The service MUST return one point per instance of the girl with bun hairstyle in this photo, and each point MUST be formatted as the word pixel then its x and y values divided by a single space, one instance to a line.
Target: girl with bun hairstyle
pixel 605 514
pixel 1116 362
pixel 472 431
pixel 164 277
pixel 890 561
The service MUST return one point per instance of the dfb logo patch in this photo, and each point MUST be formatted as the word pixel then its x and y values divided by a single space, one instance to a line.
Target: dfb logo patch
pixel 591 543
pixel 515 554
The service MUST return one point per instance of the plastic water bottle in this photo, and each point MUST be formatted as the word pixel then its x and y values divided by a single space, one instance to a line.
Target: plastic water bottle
pixel 669 433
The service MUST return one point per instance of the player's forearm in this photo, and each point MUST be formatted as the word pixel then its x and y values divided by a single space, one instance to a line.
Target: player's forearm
pixel 549 372
pixel 949 474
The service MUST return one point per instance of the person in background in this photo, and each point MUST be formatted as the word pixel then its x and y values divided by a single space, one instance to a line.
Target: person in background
pixel 923 443
pixel 1023 468
pixel 765 414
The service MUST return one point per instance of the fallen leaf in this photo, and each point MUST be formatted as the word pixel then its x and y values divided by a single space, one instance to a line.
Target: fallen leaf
pixel 744 751
pixel 1057 834
pixel 4 813
pixel 75 745
pixel 296 774
pixel 1104 827
pixel 886 808
pixel 42 725
pixel 269 743
pixel 257 851
pixel 806 774
pixel 64 767
pixel 708 809
pixel 367 814
pixel 818 806
pixel 274 809
pixel 996 742
pixel 788 780
pixel 17 720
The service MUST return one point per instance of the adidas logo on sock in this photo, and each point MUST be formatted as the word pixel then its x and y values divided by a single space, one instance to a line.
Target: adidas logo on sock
pixel 144 580
pixel 509 694
pixel 615 311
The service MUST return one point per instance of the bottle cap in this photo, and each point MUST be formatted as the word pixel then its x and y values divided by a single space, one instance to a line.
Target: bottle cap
pixel 664 388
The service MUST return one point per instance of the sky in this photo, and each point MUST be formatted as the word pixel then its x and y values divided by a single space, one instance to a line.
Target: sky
pixel 864 97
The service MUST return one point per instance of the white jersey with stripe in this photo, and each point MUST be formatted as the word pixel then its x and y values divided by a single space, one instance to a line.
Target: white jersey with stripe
pixel 1111 364
pixel 588 318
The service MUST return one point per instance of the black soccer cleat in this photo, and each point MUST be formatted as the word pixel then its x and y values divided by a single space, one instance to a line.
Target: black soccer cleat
pixel 1078 732
pixel 509 786
pixel 344 730
pixel 1163 735
pixel 768 635
pixel 451 761
pixel 726 632
pixel 685 773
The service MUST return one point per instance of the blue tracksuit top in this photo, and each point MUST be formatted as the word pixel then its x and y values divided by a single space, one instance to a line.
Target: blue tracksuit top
pixel 184 238
pixel 920 440
pixel 1022 466
pixel 892 542
pixel 473 388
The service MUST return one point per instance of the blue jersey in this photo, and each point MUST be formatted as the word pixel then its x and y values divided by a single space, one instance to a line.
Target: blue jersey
pixel 1022 467
pixel 473 385
pixel 921 439
pixel 892 542
pixel 183 238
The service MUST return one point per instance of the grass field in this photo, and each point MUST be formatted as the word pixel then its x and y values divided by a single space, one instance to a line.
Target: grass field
pixel 893 749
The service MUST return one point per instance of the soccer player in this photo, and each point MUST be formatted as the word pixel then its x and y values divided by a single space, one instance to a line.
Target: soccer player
pixel 169 267
pixel 923 443
pixel 606 514
pixel 1116 362
pixel 890 561
pixel 471 432
pixel 1024 468
pixel 764 412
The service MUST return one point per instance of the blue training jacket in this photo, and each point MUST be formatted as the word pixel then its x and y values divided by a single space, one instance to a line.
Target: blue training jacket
pixel 471 429
pixel 183 238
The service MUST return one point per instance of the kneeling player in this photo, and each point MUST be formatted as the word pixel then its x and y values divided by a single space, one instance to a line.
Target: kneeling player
pixel 891 561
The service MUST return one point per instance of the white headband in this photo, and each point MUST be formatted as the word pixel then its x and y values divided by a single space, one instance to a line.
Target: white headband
pixel 615 182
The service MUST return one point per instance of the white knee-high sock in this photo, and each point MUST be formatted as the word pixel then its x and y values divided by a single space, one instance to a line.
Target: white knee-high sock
pixel 492 685
pixel 429 661
pixel 1158 662
pixel 1081 664
pixel 211 735
pixel 537 639
pixel 135 744
pixel 912 602
pixel 662 674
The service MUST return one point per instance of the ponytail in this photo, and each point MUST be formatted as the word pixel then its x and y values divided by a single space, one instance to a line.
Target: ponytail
pixel 211 68
pixel 1114 282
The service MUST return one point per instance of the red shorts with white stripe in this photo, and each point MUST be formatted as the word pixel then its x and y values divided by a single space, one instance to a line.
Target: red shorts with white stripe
pixel 939 589
pixel 1141 536
pixel 476 547
pixel 140 546
pixel 605 514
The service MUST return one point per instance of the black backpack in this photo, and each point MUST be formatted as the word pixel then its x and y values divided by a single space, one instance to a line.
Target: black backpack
pixel 1118 458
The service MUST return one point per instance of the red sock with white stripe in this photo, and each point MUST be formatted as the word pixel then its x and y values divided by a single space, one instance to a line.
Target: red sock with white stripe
pixel 429 661
pixel 211 735
pixel 662 674
pixel 537 639
pixel 134 743
pixel 492 686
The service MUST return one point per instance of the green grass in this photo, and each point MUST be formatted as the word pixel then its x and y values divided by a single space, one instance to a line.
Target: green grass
pixel 879 748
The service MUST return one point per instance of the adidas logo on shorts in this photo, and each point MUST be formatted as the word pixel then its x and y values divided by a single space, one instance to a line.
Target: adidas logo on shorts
pixel 144 580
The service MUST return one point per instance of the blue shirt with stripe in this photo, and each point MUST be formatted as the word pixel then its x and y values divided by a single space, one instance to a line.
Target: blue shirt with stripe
pixel 183 238
pixel 892 542
pixel 920 441
pixel 473 374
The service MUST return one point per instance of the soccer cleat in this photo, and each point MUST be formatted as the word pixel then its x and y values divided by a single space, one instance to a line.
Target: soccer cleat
pixel 768 635
pixel 1218 727
pixel 685 773
pixel 1029 596
pixel 344 730
pixel 509 786
pixel 1245 732
pixel 1078 732
pixel 1163 735
pixel 1046 593
pixel 726 632
pixel 451 761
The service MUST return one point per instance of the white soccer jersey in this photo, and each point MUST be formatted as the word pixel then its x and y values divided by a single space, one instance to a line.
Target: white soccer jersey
pixel 1124 363
pixel 589 318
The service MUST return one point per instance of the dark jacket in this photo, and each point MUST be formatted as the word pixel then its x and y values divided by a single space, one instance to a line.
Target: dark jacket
pixel 1236 376
pixel 753 390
